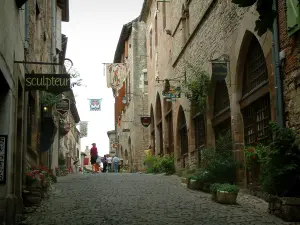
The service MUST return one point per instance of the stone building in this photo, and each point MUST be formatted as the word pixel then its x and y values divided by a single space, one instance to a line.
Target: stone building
pixel 69 139
pixel 112 142
pixel 12 116
pixel 289 64
pixel 131 101
pixel 185 34
pixel 31 35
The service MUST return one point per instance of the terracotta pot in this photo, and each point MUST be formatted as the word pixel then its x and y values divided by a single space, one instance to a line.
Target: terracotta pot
pixel 224 197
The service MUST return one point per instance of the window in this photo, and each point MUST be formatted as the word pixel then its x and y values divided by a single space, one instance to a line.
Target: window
pixel 199 127
pixel 256 121
pixel 255 68
pixel 150 43
pixel 293 16
pixel 164 14
pixel 185 23
pixel 223 128
pixel 169 119
pixel 156 33
pixel 221 97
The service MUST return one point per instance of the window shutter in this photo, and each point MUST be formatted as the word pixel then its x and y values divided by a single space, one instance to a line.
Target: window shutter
pixel 293 17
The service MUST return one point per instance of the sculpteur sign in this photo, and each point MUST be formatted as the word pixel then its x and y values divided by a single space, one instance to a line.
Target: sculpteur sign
pixel 56 83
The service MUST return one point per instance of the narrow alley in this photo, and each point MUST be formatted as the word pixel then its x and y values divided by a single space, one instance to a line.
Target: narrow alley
pixel 140 199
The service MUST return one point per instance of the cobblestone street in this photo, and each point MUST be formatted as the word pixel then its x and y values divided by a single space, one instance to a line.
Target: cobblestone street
pixel 139 199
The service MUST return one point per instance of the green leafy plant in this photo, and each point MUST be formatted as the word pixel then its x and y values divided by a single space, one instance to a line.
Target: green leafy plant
pixel 266 13
pixel 167 164
pixel 160 164
pixel 280 163
pixel 196 86
pixel 231 188
pixel 214 187
pixel 49 99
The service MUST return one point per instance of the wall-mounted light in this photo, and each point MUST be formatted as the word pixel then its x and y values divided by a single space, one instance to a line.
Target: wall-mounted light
pixel 45 108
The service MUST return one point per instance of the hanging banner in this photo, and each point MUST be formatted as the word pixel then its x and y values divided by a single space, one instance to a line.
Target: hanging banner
pixel 95 104
pixel 115 75
pixel 172 93
pixel 3 157
pixel 83 126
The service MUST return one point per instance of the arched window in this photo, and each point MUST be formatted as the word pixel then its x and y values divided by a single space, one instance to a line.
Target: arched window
pixel 158 117
pixel 255 102
pixel 169 123
pixel 152 130
pixel 222 119
pixel 183 135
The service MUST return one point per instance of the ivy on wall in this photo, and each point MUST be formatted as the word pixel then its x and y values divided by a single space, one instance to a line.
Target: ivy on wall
pixel 196 86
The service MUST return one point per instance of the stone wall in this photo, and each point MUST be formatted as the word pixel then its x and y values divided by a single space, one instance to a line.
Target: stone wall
pixel 135 141
pixel 290 46
pixel 213 28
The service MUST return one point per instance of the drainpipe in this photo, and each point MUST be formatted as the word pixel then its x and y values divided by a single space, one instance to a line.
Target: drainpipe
pixel 277 74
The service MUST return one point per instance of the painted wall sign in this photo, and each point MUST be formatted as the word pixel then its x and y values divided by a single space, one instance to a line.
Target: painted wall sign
pixel 3 157
pixel 48 82
pixel 146 121
pixel 95 104
pixel 63 106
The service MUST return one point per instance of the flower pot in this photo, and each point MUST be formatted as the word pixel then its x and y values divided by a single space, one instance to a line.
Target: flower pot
pixel 195 184
pixel 224 197
pixel 214 196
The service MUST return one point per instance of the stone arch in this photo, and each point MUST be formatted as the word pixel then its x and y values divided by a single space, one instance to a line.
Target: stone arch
pixel 159 125
pixel 152 131
pixel 254 82
pixel 168 127
pixel 182 144
pixel 126 158
pixel 219 111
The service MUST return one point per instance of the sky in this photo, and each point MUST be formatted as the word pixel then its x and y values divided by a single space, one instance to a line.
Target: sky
pixel 93 33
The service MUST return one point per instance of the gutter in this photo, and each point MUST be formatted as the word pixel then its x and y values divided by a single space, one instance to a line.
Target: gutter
pixel 277 71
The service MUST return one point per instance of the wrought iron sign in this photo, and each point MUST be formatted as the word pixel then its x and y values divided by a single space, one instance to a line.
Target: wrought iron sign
pixel 146 121
pixel 63 106
pixel 3 157
pixel 56 83
pixel 220 67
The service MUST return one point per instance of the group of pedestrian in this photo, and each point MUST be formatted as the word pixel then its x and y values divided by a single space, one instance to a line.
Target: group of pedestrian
pixel 109 163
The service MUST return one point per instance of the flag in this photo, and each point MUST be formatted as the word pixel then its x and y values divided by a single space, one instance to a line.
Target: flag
pixel 116 75
pixel 95 104
pixel 83 125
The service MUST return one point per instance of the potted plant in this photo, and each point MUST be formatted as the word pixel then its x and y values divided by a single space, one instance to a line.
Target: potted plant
pixel 213 191
pixel 226 193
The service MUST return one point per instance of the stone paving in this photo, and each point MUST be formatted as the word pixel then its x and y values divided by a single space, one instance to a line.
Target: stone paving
pixel 141 199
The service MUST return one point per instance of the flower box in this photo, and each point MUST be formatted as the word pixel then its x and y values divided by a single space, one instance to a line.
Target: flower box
pixel 225 197
pixel 195 184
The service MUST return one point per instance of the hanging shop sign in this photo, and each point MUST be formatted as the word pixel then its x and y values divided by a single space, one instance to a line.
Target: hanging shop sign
pixel 63 106
pixel 172 93
pixel 146 121
pixel 56 83
pixel 220 67
pixel 3 157
pixel 95 104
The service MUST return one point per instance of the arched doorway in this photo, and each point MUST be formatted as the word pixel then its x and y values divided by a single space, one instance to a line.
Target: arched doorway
pixel 158 117
pixel 255 99
pixel 169 122
pixel 182 137
pixel 131 158
pixel 152 131
pixel 126 161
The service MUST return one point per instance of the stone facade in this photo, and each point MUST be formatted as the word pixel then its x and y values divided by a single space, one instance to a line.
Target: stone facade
pixel 112 141
pixel 290 67
pixel 183 34
pixel 29 35
pixel 132 136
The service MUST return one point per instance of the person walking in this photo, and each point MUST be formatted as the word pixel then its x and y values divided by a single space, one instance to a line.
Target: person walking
pixel 116 161
pixel 109 161
pixel 104 161
pixel 94 156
